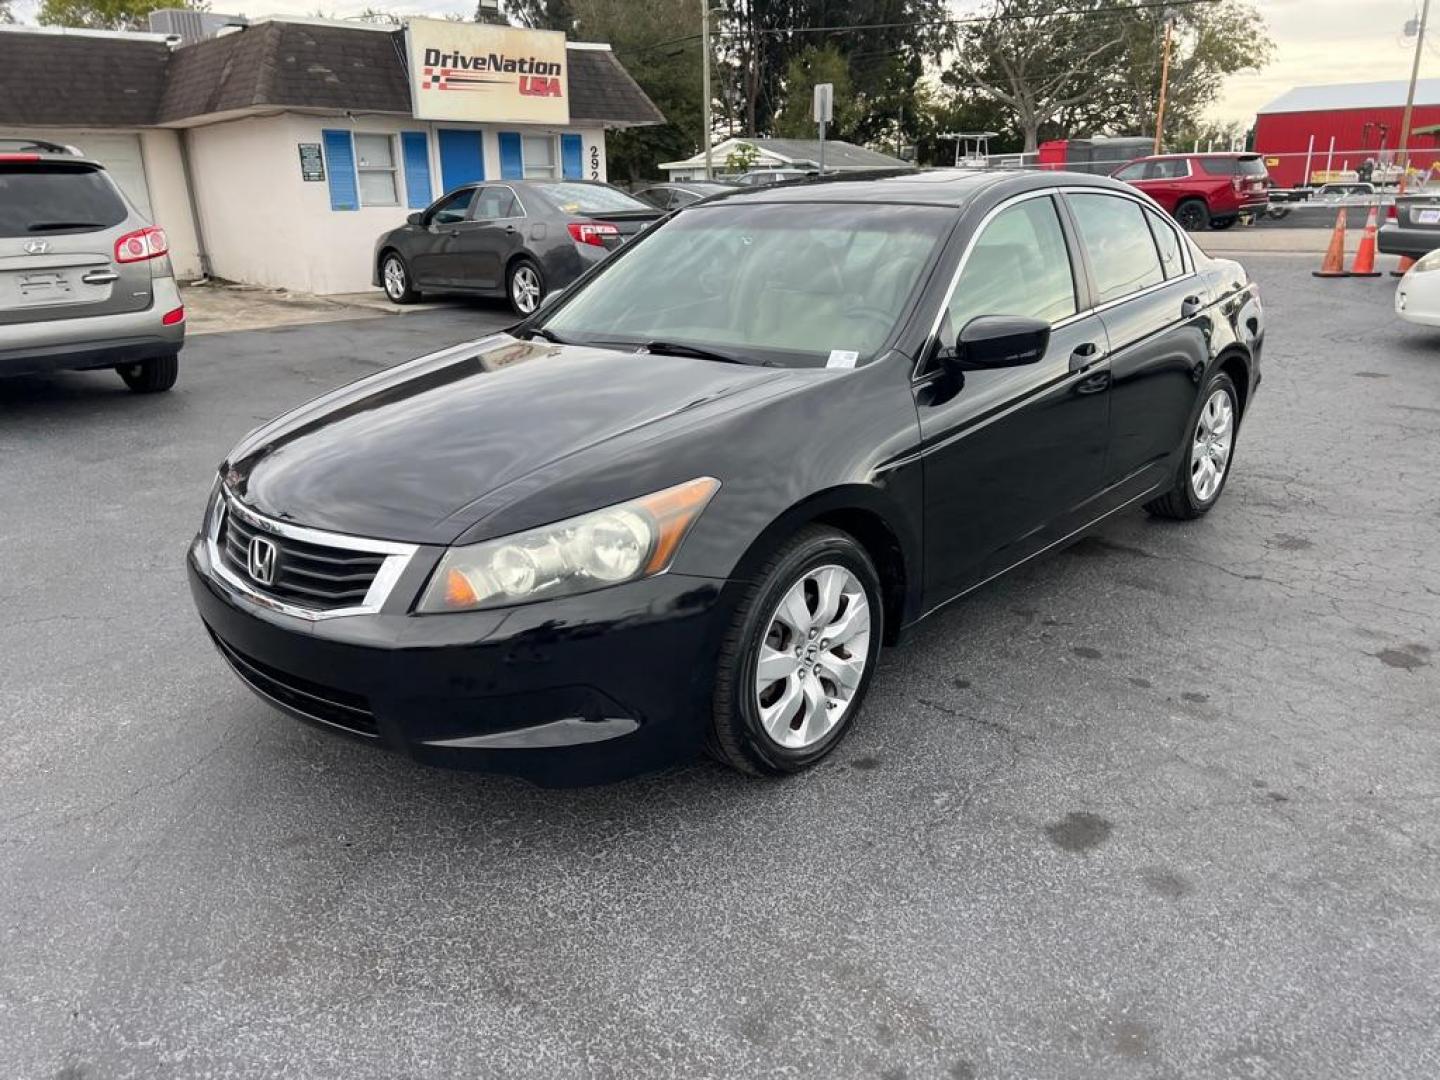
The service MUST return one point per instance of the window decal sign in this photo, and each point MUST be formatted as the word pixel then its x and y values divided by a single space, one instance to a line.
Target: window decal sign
pixel 477 71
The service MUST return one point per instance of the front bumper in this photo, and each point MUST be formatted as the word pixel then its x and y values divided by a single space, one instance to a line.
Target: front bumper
pixel 1404 240
pixel 575 690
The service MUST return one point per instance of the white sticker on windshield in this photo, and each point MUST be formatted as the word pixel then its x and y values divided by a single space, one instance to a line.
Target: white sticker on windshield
pixel 842 358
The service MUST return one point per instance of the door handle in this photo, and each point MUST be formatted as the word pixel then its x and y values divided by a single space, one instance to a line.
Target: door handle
pixel 100 277
pixel 1190 307
pixel 1083 356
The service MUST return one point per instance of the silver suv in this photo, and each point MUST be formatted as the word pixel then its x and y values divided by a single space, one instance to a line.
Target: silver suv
pixel 85 280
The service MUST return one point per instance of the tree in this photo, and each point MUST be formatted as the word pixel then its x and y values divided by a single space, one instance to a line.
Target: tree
pixel 808 70
pixel 1082 67
pixel 885 44
pixel 106 14
pixel 6 15
pixel 1209 42
pixel 741 158
pixel 1037 62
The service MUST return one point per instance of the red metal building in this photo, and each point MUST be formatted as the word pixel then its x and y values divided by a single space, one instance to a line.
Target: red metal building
pixel 1311 133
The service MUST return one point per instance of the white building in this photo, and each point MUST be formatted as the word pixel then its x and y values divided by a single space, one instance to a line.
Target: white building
pixel 840 157
pixel 277 153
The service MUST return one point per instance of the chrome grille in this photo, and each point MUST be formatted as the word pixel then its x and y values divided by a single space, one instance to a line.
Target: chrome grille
pixel 306 572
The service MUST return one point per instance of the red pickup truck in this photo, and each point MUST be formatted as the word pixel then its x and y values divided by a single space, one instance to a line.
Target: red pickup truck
pixel 1201 190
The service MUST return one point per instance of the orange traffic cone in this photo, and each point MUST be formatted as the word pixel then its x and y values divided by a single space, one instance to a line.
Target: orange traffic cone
pixel 1364 264
pixel 1334 264
pixel 1405 263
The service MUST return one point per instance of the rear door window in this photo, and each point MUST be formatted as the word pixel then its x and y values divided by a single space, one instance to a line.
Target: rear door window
pixel 1123 256
pixel 1167 240
pixel 495 203
pixel 41 198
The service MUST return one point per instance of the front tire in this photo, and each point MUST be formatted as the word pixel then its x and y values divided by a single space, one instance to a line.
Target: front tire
pixel 151 376
pixel 1209 451
pixel 1193 215
pixel 525 286
pixel 395 277
pixel 797 658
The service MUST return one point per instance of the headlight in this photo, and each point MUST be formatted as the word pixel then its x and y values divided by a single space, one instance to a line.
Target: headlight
pixel 633 540
pixel 1427 263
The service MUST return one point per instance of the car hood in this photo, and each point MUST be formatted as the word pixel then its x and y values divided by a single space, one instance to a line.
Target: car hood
pixel 405 454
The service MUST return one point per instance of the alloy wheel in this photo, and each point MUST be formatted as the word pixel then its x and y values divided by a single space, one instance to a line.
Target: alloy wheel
pixel 812 656
pixel 1210 452
pixel 393 274
pixel 525 289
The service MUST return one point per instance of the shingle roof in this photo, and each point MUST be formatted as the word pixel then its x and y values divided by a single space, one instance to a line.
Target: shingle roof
pixel 80 79
pixel 296 64
pixel 1368 95
pixel 71 80
pixel 839 155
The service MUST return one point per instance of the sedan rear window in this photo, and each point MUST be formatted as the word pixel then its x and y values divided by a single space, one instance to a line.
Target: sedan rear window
pixel 787 283
pixel 590 198
pixel 39 198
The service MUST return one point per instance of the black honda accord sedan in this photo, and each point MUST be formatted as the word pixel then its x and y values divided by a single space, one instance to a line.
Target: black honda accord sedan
pixel 684 505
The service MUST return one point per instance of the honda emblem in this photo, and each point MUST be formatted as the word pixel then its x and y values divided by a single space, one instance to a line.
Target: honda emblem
pixel 262 561
pixel 37 247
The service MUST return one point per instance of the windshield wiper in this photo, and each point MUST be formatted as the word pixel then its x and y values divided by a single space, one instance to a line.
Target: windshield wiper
pixel 677 348
pixel 41 226
pixel 548 335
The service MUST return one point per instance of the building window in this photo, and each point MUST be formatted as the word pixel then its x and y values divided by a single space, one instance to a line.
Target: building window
pixel 375 163
pixel 538 153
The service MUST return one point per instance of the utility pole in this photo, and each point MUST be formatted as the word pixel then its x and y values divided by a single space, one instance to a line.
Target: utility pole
pixel 705 80
pixel 1164 84
pixel 1410 96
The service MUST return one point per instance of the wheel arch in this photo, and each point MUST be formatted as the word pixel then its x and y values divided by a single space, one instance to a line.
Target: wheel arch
pixel 862 512
pixel 1235 362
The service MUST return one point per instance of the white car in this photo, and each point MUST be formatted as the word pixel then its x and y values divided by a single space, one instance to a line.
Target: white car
pixel 1417 297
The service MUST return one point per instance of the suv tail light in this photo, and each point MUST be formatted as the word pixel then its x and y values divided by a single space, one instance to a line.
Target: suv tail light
pixel 591 232
pixel 1238 183
pixel 149 243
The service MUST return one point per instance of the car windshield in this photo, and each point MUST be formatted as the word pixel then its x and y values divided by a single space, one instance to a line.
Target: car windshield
pixel 782 283
pixel 38 198
pixel 590 198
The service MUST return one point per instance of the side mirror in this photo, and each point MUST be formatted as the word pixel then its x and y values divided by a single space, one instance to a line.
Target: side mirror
pixel 997 341
pixel 550 297
pixel 417 219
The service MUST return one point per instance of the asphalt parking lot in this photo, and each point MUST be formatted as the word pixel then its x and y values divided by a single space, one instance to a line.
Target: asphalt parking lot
pixel 1162 806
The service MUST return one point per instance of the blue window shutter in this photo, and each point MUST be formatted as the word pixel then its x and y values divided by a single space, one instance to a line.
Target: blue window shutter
pixel 415 152
pixel 340 169
pixel 462 157
pixel 512 164
pixel 572 157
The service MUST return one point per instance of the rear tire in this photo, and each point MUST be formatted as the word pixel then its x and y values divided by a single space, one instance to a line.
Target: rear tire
pixel 1198 487
pixel 524 287
pixel 396 281
pixel 1193 215
pixel 753 728
pixel 151 376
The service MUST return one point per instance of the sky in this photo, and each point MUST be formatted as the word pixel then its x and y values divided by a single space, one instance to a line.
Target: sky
pixel 1316 41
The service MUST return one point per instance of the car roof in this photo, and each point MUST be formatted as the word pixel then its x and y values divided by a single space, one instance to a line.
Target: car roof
pixel 934 187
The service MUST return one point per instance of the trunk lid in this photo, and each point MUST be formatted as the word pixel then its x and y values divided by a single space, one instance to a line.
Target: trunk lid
pixel 59 221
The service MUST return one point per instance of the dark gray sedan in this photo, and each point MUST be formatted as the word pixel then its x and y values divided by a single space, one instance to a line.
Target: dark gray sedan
pixel 513 238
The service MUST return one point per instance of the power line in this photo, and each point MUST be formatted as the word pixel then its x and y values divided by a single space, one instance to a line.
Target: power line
pixel 772 31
